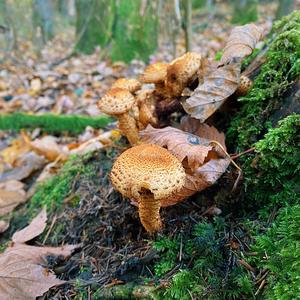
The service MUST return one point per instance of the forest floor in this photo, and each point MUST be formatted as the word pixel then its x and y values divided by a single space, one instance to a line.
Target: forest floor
pixel 68 173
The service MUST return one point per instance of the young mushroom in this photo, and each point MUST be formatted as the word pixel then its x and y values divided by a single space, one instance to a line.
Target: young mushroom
pixel 118 102
pixel 148 174
pixel 180 72
pixel 244 86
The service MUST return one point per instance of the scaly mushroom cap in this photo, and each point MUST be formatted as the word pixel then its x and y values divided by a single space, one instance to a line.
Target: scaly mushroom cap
pixel 244 86
pixel 147 168
pixel 132 85
pixel 180 71
pixel 154 73
pixel 116 101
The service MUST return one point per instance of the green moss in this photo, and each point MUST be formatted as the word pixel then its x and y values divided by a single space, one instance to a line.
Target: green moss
pixel 280 70
pixel 51 123
pixel 52 193
pixel 279 252
pixel 244 12
pixel 204 273
pixel 272 177
pixel 135 32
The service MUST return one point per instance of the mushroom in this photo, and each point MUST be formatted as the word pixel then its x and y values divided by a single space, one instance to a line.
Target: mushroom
pixel 147 174
pixel 180 72
pixel 132 85
pixel 156 73
pixel 117 102
pixel 146 102
pixel 244 86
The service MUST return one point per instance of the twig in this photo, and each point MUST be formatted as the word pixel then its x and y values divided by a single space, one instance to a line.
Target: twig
pixel 235 156
pixel 260 287
pixel 49 230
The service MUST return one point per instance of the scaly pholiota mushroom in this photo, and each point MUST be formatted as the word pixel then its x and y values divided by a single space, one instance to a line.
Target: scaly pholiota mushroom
pixel 118 102
pixel 156 73
pixel 132 85
pixel 180 72
pixel 244 86
pixel 148 174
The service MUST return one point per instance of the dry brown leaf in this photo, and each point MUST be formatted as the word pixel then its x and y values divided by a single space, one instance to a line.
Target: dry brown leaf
pixel 25 165
pixel 22 276
pixel 48 147
pixel 11 195
pixel 183 145
pixel 37 226
pixel 241 43
pixel 205 163
pixel 3 226
pixel 224 80
pixel 204 177
pixel 210 95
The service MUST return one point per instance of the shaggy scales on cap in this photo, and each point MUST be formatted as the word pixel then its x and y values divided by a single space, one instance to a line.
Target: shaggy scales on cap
pixel 148 173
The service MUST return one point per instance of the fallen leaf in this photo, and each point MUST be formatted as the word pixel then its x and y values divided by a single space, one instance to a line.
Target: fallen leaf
pixel 3 226
pixel 241 42
pixel 183 145
pixel 221 82
pixel 210 95
pixel 12 193
pixel 205 163
pixel 25 165
pixel 22 276
pixel 48 147
pixel 37 226
pixel 204 177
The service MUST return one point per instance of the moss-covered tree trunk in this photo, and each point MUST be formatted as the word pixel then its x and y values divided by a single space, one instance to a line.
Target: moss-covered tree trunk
pixel 135 31
pixel 244 11
pixel 93 24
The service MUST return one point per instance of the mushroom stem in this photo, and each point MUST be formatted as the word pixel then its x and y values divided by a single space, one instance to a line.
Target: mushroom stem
pixel 127 125
pixel 149 212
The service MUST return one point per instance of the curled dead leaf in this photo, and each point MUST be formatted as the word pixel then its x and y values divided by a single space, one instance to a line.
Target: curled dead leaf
pixel 241 42
pixel 203 163
pixel 183 145
pixel 209 96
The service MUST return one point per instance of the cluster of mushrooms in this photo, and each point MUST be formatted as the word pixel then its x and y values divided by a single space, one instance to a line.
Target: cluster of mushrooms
pixel 146 173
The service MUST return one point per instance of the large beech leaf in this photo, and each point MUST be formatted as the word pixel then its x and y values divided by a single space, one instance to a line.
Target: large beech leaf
pixel 241 42
pixel 205 161
pixel 223 81
pixel 181 144
pixel 210 95
pixel 22 276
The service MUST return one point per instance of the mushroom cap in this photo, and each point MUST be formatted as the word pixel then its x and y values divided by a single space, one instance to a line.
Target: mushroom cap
pixel 154 73
pixel 180 71
pixel 244 86
pixel 116 101
pixel 132 85
pixel 147 168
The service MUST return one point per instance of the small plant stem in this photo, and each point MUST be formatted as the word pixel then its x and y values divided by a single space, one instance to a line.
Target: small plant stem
pixel 235 156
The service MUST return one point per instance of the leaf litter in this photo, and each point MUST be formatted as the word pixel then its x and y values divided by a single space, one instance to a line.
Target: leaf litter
pixel 22 275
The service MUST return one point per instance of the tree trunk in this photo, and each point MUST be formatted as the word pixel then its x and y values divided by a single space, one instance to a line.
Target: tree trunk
pixel 135 31
pixel 244 11
pixel 187 6
pixel 42 18
pixel 94 24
